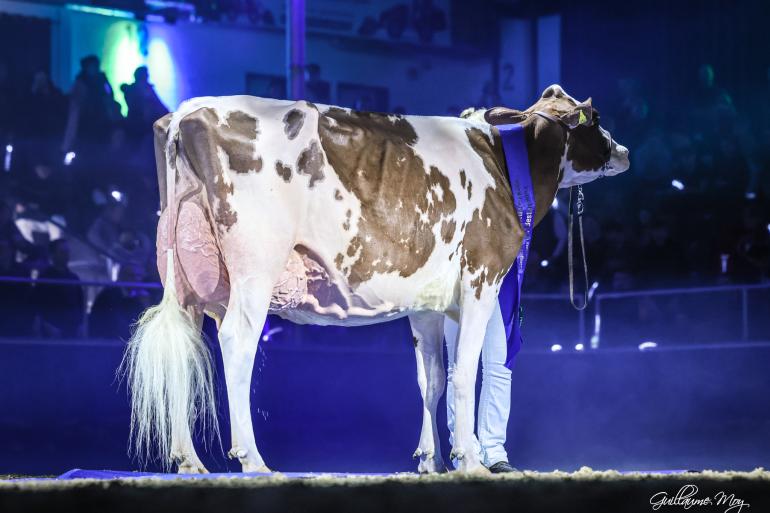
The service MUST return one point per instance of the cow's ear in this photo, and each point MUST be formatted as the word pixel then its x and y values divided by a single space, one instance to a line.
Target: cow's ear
pixel 581 114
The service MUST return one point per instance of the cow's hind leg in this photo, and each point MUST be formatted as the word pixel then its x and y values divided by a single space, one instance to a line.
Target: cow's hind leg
pixel 182 448
pixel 427 330
pixel 474 316
pixel 239 337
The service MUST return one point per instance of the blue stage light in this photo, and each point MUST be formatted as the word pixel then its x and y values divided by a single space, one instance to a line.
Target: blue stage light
pixel 8 155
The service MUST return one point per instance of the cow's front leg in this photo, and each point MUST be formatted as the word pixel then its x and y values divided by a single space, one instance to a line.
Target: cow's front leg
pixel 239 338
pixel 427 330
pixel 474 316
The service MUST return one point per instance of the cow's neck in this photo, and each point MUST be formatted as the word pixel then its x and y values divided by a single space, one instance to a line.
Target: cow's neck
pixel 545 147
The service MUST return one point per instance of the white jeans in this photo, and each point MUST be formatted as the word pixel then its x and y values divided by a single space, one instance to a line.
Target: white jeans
pixel 495 400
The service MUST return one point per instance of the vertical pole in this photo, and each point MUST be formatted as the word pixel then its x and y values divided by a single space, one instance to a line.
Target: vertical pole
pixel 582 326
pixel 596 337
pixel 295 49
pixel 744 314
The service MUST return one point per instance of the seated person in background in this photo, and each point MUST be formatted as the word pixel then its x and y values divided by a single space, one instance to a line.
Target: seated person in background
pixel 16 320
pixel 116 309
pixel 105 231
pixel 42 186
pixel 9 232
pixel 59 308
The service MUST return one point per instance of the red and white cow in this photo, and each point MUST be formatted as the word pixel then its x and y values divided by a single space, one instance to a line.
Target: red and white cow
pixel 325 215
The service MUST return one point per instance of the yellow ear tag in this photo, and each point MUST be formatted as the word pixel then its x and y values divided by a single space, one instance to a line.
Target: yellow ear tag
pixel 582 119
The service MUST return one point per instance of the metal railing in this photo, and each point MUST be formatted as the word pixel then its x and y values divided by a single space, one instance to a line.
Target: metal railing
pixel 557 311
pixel 602 298
pixel 95 286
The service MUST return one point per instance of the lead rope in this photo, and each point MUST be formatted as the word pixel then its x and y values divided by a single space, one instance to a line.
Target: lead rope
pixel 580 206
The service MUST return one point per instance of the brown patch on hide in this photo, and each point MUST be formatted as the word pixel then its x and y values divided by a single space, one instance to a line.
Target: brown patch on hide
pixel 337 195
pixel 311 162
pixel 160 132
pixel 545 144
pixel 470 186
pixel 346 224
pixel 448 230
pixel 493 236
pixel 401 201
pixel 237 139
pixel 198 134
pixel 587 148
pixel 462 178
pixel 292 123
pixel 283 170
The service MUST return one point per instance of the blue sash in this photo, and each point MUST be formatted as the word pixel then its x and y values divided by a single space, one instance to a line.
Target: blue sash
pixel 517 162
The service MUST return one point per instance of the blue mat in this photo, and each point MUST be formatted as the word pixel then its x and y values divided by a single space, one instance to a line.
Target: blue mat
pixel 118 474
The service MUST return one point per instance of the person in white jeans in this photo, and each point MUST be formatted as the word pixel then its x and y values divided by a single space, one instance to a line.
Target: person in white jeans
pixel 495 400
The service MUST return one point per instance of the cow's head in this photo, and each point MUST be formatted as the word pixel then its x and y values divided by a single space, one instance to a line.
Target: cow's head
pixel 591 151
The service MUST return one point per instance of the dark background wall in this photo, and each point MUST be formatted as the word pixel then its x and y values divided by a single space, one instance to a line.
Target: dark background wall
pixel 356 408
pixel 663 44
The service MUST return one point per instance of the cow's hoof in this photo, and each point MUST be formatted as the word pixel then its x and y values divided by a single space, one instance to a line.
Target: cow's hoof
pixel 246 465
pixel 189 466
pixel 261 469
pixel 472 468
pixel 468 463
pixel 430 463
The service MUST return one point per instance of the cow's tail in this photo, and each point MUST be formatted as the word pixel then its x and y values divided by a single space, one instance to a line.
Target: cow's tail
pixel 170 375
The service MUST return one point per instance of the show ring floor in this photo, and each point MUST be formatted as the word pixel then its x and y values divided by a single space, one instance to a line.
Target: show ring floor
pixel 584 490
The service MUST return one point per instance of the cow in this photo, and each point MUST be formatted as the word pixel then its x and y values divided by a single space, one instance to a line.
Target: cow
pixel 329 216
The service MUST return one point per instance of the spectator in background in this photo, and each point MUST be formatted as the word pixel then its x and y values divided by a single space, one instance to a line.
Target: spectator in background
pixel 106 229
pixel 93 111
pixel 43 111
pixel 144 106
pixel 9 232
pixel 116 309
pixel 316 89
pixel 41 185
pixel 8 105
pixel 59 308
pixel 16 318
pixel 660 259
pixel 132 247
pixel 752 252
